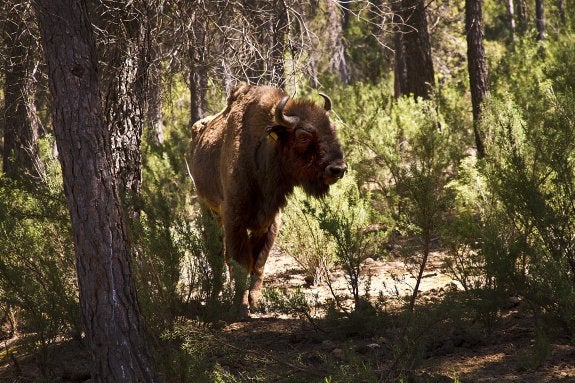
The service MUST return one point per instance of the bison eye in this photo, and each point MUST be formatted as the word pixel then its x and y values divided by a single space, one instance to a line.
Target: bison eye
pixel 303 137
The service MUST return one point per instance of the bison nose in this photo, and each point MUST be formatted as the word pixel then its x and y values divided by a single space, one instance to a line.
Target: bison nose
pixel 336 170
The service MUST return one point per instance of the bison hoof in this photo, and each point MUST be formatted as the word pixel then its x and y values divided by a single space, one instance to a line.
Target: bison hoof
pixel 254 298
pixel 244 313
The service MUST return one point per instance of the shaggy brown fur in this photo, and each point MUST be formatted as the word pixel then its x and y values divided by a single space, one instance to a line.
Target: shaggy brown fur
pixel 246 160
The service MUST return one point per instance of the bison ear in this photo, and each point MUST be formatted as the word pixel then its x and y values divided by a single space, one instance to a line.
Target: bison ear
pixel 276 132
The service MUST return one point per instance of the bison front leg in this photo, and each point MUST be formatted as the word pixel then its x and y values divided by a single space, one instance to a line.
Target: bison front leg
pixel 261 244
pixel 237 252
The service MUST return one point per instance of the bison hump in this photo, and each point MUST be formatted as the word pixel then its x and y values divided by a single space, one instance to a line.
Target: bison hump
pixel 238 91
pixel 200 125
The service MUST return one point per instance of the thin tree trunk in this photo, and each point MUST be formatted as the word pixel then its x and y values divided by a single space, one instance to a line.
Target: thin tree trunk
pixel 511 18
pixel 400 86
pixel 276 45
pixel 337 61
pixel 110 313
pixel 256 63
pixel 540 19
pixel 344 4
pixel 522 16
pixel 477 66
pixel 264 59
pixel 561 10
pixel 153 65
pixel 155 115
pixel 198 77
pixel 21 157
pixel 198 89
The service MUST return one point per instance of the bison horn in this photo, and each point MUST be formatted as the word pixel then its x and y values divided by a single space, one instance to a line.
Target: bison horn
pixel 281 118
pixel 326 101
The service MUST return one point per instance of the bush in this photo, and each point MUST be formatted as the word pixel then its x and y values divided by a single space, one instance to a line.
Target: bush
pixel 37 262
pixel 530 169
pixel 346 218
pixel 336 229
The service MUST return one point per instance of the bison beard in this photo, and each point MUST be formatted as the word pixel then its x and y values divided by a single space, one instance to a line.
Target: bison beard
pixel 247 159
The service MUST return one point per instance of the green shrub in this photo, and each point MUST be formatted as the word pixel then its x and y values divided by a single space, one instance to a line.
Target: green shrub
pixel 346 218
pixel 37 262
pixel 416 154
pixel 335 229
pixel 302 238
pixel 531 170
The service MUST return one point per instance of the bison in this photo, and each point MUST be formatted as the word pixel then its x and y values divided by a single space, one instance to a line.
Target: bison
pixel 247 159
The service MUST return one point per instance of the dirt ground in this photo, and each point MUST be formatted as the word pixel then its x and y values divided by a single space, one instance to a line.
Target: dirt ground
pixel 287 348
pixel 506 355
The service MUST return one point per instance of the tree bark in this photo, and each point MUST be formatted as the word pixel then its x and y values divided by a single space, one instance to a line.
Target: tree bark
pixel 561 10
pixel 21 157
pixel 110 313
pixel 511 18
pixel 124 84
pixel 540 19
pixel 198 77
pixel 337 62
pixel 399 65
pixel 477 66
pixel 417 48
pixel 522 16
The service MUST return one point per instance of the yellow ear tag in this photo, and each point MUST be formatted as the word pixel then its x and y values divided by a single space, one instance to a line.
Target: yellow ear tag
pixel 273 135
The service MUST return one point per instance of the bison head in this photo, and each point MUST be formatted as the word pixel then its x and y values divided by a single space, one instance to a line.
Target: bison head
pixel 311 153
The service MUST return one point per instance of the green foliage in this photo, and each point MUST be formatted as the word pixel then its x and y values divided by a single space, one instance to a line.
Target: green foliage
pixel 340 225
pixel 368 60
pixel 422 158
pixel 345 217
pixel 156 233
pixel 37 263
pixel 477 236
pixel 189 350
pixel 289 303
pixel 531 170
pixel 302 238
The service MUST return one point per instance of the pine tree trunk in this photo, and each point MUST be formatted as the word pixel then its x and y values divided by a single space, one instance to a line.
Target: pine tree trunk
pixel 110 313
pixel 198 77
pixel 561 10
pixel 540 19
pixel 155 115
pixel 21 157
pixel 417 49
pixel 264 59
pixel 124 87
pixel 276 45
pixel 511 18
pixel 153 64
pixel 477 66
pixel 522 16
pixel 399 66
pixel 337 61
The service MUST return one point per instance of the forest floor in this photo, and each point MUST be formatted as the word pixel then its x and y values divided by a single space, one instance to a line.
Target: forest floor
pixel 276 347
